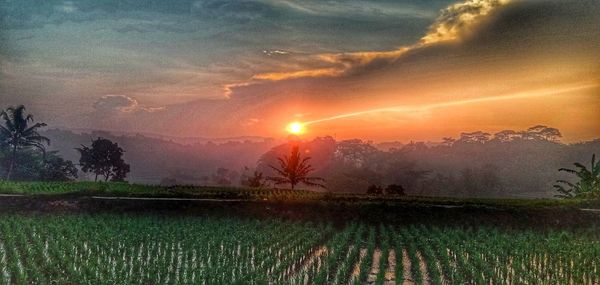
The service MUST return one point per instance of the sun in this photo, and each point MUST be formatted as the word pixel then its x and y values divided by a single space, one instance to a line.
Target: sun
pixel 295 128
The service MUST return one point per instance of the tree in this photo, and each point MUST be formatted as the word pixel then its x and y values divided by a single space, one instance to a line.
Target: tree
pixel 255 181
pixel 448 141
pixel 16 134
pixel 104 158
pixel 294 170
pixel 395 189
pixel 223 176
pixel 588 184
pixel 506 136
pixel 355 152
pixel 405 173
pixel 58 169
pixel 478 137
pixel 541 132
pixel 35 166
pixel 375 190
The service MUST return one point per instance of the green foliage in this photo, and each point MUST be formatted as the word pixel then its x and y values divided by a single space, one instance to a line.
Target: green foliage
pixel 36 166
pixel 294 170
pixel 87 188
pixel 124 249
pixel 104 158
pixel 16 135
pixel 588 184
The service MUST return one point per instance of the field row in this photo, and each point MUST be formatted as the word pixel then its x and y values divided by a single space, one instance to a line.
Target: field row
pixel 126 189
pixel 118 249
pixel 120 189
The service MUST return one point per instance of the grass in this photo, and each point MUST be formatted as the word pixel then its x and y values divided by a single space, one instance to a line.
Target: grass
pixel 230 245
pixel 152 249
pixel 84 189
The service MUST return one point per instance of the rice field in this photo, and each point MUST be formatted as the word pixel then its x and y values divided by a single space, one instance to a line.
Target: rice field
pixel 151 249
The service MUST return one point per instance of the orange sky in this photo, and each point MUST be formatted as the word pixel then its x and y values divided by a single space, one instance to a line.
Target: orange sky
pixel 376 71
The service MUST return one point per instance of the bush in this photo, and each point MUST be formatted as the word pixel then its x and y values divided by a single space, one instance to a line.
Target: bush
pixel 395 189
pixel 375 190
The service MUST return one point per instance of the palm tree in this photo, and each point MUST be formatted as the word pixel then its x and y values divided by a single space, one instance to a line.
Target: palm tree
pixel 588 184
pixel 294 170
pixel 16 134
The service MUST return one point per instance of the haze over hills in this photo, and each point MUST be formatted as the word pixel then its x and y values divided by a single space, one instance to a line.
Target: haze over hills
pixel 176 139
pixel 473 165
pixel 189 160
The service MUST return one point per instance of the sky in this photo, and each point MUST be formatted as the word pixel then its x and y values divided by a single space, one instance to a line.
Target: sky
pixel 379 70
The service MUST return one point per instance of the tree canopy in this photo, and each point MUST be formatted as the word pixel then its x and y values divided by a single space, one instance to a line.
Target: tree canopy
pixel 104 158
pixel 17 134
pixel 294 169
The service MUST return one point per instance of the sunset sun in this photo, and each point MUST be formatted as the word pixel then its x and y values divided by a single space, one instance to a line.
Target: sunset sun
pixel 300 141
pixel 295 128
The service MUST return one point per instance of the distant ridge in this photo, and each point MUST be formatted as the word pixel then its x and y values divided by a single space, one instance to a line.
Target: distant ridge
pixel 175 139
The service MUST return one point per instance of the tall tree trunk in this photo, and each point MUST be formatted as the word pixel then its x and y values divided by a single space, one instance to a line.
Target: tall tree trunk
pixel 13 158
pixel 96 178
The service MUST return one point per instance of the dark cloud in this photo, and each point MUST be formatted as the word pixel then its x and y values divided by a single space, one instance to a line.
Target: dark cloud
pixel 512 33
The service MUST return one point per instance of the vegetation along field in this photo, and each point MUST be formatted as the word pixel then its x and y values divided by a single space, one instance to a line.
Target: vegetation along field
pixel 299 142
pixel 121 249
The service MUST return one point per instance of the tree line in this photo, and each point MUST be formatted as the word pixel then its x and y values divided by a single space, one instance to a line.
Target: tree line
pixel 474 164
pixel 23 154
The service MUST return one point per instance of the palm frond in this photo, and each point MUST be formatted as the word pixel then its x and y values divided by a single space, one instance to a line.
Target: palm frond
pixel 567 170
pixel 280 171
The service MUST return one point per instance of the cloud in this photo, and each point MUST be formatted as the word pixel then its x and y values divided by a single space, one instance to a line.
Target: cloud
pixel 122 104
pixel 272 60
pixel 354 8
pixel 476 51
pixel 459 20
pixel 119 103
pixel 66 7
pixel 455 23
pixel 274 52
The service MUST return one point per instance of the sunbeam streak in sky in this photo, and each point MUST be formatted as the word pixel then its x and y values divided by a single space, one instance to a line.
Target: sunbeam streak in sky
pixel 430 107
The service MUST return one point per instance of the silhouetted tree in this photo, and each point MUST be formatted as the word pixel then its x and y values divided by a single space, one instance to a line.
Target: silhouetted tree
pixel 255 181
pixel 405 173
pixel 294 170
pixel 16 134
pixel 35 165
pixel 541 132
pixel 355 152
pixel 58 169
pixel 224 176
pixel 588 184
pixel 506 136
pixel 375 190
pixel 104 158
pixel 474 137
pixel 448 141
pixel 394 189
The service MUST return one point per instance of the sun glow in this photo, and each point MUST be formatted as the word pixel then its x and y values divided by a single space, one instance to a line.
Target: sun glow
pixel 295 128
